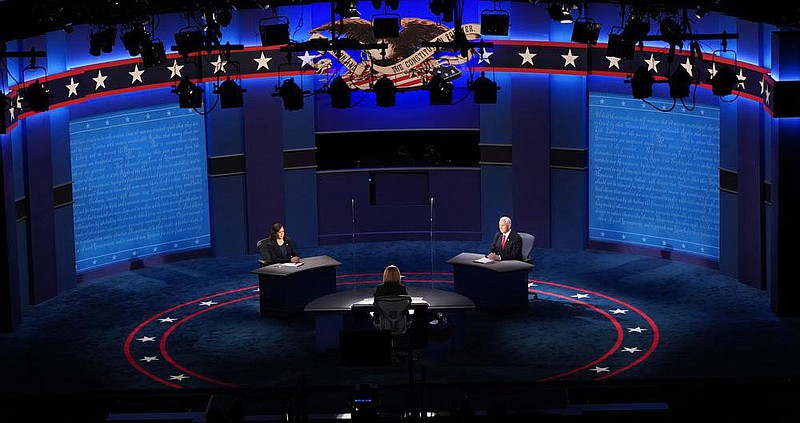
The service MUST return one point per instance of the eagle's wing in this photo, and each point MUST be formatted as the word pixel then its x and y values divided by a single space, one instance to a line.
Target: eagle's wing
pixel 357 28
pixel 416 31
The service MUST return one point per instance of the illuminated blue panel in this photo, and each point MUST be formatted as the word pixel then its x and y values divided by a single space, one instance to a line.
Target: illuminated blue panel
pixel 139 184
pixel 654 176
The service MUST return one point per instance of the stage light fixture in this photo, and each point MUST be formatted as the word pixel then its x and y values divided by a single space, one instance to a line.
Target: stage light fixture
pixel 485 90
pixel 274 34
pixel 679 83
pixel 134 39
pixel 190 96
pixel 586 32
pixel 291 94
pixel 620 47
pixel 671 32
pixel 340 93
pixel 494 22
pixel 642 83
pixel 347 8
pixel 385 92
pixel 723 81
pixel 385 27
pixel 230 94
pixel 38 97
pixel 224 17
pixel 153 54
pixel 560 12
pixel 441 91
pixel 443 8
pixel 102 41
pixel 189 41
pixel 636 28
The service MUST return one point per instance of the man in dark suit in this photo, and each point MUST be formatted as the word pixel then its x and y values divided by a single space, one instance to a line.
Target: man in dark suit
pixel 507 244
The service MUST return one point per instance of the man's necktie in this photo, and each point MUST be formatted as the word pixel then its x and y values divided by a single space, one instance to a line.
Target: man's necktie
pixel 503 243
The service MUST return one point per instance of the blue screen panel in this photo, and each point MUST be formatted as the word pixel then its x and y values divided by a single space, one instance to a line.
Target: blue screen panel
pixel 654 176
pixel 139 184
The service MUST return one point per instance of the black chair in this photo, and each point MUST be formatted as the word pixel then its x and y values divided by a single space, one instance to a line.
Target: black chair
pixel 263 261
pixel 393 313
pixel 527 246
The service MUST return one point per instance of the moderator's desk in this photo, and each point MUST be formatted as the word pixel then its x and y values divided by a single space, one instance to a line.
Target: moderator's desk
pixel 497 285
pixel 285 290
pixel 333 310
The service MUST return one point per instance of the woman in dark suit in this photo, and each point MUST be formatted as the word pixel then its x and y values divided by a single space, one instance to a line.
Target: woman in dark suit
pixel 391 283
pixel 279 248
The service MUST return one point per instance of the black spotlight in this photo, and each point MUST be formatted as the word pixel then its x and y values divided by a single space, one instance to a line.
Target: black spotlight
pixel 560 12
pixel 586 32
pixel 679 83
pixel 134 39
pixel 485 90
pixel 153 54
pixel 340 93
pixel 102 41
pixel 276 33
pixel 441 91
pixel 189 42
pixel 642 83
pixel 620 47
pixel 494 22
pixel 190 96
pixel 723 81
pixel 385 92
pixel 347 8
pixel 291 94
pixel 230 94
pixel 38 97
pixel 386 27
pixel 671 32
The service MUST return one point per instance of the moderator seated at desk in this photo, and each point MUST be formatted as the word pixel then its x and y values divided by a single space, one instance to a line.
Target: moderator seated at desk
pixel 496 285
pixel 285 288
pixel 330 310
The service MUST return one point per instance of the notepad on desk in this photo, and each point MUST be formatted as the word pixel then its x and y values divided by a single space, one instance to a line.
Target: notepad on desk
pixel 298 264
pixel 483 260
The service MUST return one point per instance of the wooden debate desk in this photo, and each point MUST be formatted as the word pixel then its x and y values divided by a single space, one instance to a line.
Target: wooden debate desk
pixel 285 289
pixel 496 285
pixel 340 311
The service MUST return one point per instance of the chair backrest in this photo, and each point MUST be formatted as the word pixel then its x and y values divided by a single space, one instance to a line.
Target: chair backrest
pixel 392 312
pixel 527 245
pixel 262 261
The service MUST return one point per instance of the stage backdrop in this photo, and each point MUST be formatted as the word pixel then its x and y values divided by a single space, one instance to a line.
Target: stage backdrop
pixel 654 176
pixel 140 184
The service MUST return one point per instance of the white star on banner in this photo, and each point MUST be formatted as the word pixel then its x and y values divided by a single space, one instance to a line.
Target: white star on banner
pixel 263 62
pixel 527 57
pixel 598 369
pixel 11 111
pixel 688 66
pixel 178 377
pixel 613 62
pixel 72 88
pixel 219 65
pixel 136 74
pixel 741 78
pixel 761 84
pixel 175 70
pixel 618 311
pixel 580 296
pixel 569 58
pixel 207 303
pixel 712 71
pixel 19 101
pixel 147 339
pixel 766 95
pixel 485 57
pixel 149 358
pixel 631 349
pixel 308 59
pixel 637 329
pixel 167 320
pixel 99 80
pixel 652 63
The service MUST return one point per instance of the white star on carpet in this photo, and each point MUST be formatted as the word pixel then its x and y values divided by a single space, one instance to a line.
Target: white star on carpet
pixel 308 59
pixel 167 320
pixel 136 74
pixel 175 70
pixel 631 349
pixel 179 377
pixel 579 296
pixel 613 62
pixel 207 303
pixel 569 58
pixel 219 65
pixel 652 63
pixel 618 311
pixel 598 369
pixel 637 329
pixel 149 358
pixel 263 62
pixel 99 80
pixel 527 57
pixel 72 88
pixel 147 339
